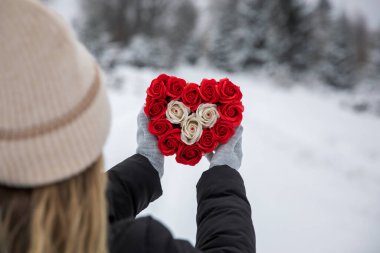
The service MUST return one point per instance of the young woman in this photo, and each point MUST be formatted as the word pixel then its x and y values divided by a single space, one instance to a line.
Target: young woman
pixel 54 120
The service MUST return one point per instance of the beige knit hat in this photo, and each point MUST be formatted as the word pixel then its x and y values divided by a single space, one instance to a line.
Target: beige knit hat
pixel 54 111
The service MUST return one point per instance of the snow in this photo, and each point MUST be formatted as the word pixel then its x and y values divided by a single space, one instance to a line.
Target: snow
pixel 367 8
pixel 311 167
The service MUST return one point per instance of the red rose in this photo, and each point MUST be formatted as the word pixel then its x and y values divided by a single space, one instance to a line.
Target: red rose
pixel 159 127
pixel 232 113
pixel 157 88
pixel 155 108
pixel 228 92
pixel 170 142
pixel 208 90
pixel 223 130
pixel 189 155
pixel 175 87
pixel 191 96
pixel 163 77
pixel 207 143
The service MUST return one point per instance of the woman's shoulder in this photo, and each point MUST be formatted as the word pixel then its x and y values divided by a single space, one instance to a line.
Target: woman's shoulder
pixel 144 235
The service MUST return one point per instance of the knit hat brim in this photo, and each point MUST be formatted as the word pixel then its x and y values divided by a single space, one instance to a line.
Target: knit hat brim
pixel 60 153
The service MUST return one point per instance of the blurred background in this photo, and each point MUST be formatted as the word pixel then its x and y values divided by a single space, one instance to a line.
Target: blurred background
pixel 310 75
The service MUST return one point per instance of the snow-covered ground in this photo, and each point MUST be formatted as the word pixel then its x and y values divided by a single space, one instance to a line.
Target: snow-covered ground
pixel 311 167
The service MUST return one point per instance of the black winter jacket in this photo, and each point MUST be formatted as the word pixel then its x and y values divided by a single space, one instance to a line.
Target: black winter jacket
pixel 223 217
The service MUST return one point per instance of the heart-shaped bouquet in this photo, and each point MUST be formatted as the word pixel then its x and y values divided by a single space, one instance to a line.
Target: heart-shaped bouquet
pixel 191 120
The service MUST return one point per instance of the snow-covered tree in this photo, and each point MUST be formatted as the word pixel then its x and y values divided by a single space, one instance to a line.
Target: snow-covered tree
pixel 193 50
pixel 290 33
pixel 144 51
pixel 122 24
pixel 277 39
pixel 321 34
pixel 121 20
pixel 147 17
pixel 339 68
pixel 224 43
pixel 361 45
pixel 93 30
pixel 252 30
pixel 374 56
pixel 181 28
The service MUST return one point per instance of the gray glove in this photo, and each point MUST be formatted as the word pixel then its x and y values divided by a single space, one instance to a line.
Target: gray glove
pixel 147 144
pixel 230 153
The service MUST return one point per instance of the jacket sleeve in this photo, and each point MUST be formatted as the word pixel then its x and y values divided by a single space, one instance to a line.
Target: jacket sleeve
pixel 224 213
pixel 132 185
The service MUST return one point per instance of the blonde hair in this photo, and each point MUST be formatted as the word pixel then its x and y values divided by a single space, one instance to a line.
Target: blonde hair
pixel 64 217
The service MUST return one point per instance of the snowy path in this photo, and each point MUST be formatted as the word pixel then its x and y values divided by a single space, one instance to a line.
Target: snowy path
pixel 311 168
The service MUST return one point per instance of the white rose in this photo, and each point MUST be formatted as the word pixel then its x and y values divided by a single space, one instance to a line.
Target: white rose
pixel 191 130
pixel 207 114
pixel 177 112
